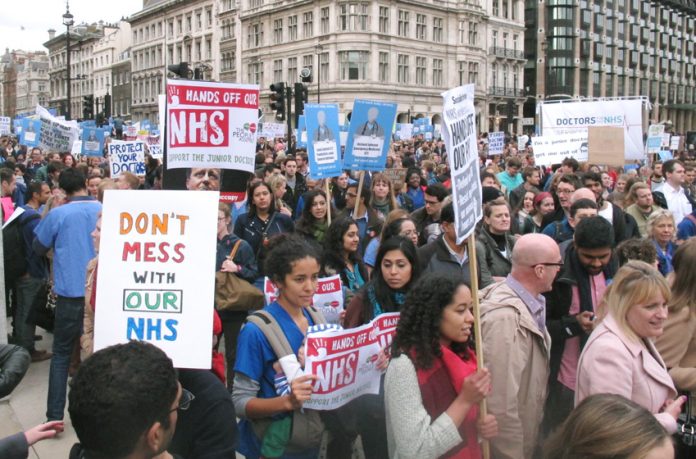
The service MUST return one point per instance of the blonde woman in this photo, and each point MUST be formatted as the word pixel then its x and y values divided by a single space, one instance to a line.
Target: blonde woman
pixel 277 183
pixel 382 198
pixel 661 230
pixel 627 430
pixel 677 345
pixel 620 357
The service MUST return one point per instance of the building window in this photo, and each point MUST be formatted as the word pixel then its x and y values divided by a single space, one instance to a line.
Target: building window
pixel 255 73
pixel 496 7
pixel 199 21
pixel 437 30
pixel 473 73
pixel 505 9
pixel 209 17
pixel 494 38
pixel 420 26
pixel 308 24
pixel 403 23
pixel 353 17
pixel 324 66
pixel 255 36
pixel 353 65
pixel 278 70
pixel 277 31
pixel 383 67
pixel 461 71
pixel 255 3
pixel 462 32
pixel 292 69
pixel 437 72
pixel 188 23
pixel 420 70
pixel 383 19
pixel 325 20
pixel 402 68
pixel 292 28
pixel 473 33
pixel 308 62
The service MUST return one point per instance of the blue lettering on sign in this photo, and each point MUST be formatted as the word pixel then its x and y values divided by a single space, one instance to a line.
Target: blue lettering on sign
pixel 139 328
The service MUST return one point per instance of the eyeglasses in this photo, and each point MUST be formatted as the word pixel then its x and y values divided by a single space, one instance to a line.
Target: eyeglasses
pixel 558 265
pixel 185 401
pixel 432 203
pixel 560 191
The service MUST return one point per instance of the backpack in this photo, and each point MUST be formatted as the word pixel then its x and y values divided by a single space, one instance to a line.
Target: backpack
pixel 14 253
pixel 307 427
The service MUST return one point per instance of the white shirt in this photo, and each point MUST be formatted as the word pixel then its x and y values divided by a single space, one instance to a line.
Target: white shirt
pixel 607 212
pixel 677 202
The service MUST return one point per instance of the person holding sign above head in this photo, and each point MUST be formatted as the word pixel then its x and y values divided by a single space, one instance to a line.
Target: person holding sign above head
pixel 293 266
pixel 433 383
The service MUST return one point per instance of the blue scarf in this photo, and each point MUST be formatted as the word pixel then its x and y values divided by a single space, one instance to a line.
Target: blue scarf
pixel 397 297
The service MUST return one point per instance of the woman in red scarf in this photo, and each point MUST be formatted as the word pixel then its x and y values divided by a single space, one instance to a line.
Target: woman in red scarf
pixel 433 385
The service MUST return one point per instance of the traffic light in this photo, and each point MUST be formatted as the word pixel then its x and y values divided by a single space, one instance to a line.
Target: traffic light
pixel 301 96
pixel 181 70
pixel 278 100
pixel 107 106
pixel 88 107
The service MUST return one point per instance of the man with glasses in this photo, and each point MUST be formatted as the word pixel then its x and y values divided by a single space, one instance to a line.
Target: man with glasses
pixel 589 265
pixel 427 218
pixel 516 345
pixel 562 190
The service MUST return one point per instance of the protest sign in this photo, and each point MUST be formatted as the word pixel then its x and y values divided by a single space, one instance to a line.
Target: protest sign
pixel 31 132
pixel 154 145
pixel 93 142
pixel 328 298
pixel 211 125
pixel 76 148
pixel 131 131
pixel 324 148
pixel 654 142
pixel 665 139
pixel 496 143
pixel 301 133
pixel 606 145
pixel 459 134
pixel 368 139
pixel 665 155
pixel 395 175
pixel 5 125
pixel 271 130
pixel 56 134
pixel 157 273
pixel 675 143
pixel 17 124
pixel 561 118
pixel 522 141
pixel 345 362
pixel 126 156
pixel 405 131
pixel 553 149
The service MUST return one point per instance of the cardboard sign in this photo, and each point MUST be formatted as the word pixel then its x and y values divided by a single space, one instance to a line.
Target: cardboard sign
pixel 328 298
pixel 272 130
pixel 606 145
pixel 396 176
pixel 5 125
pixel 459 133
pixel 323 142
pixel 156 272
pixel 675 143
pixel 496 143
pixel 345 362
pixel 126 156
pixel 211 125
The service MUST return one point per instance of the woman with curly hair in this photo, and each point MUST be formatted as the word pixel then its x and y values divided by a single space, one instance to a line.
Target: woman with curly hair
pixel 313 224
pixel 341 254
pixel 433 383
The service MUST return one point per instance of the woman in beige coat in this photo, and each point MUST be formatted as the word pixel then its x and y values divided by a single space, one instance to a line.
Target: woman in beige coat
pixel 677 345
pixel 620 357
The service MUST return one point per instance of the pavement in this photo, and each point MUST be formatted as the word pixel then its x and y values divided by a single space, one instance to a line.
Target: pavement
pixel 26 408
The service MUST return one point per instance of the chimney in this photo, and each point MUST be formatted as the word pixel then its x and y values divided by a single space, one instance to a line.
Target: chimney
pixel 51 34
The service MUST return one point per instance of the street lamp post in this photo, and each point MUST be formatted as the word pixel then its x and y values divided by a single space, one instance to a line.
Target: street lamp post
pixel 67 22
pixel 318 50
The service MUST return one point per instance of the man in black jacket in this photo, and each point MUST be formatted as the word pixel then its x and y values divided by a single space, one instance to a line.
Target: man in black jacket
pixel 588 266
pixel 295 184
pixel 625 226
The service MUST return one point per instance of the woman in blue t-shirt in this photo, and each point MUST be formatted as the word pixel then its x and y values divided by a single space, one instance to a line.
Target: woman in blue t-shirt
pixel 292 264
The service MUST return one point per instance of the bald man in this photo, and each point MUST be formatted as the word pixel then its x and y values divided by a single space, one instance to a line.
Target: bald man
pixel 516 345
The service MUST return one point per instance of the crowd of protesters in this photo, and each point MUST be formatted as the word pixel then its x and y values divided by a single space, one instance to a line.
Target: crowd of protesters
pixel 587 300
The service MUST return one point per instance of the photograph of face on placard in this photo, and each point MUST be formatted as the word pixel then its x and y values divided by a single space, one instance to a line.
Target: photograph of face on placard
pixel 369 135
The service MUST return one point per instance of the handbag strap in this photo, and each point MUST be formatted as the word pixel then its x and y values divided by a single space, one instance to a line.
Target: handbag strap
pixel 234 250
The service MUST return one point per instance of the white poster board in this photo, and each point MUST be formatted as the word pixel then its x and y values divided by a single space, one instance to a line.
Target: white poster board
pixel 553 149
pixel 126 156
pixel 156 272
pixel 496 143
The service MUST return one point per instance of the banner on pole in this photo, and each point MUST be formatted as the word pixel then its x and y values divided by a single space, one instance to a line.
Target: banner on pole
pixel 459 133
pixel 345 362
pixel 323 142
pixel 156 273
pixel 211 125
pixel 126 156
pixel 369 135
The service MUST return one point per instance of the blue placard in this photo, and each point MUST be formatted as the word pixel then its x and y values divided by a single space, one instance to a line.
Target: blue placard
pixel 301 134
pixel 665 155
pixel 17 124
pixel 323 140
pixel 31 132
pixel 368 139
pixel 93 142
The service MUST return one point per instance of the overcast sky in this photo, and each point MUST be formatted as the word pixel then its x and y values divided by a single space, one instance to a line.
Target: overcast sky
pixel 24 25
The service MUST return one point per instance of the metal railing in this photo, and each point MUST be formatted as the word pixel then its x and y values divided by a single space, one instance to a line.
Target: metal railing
pixel 505 92
pixel 507 53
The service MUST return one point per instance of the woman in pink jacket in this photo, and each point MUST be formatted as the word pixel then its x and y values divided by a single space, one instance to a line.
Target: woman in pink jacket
pixel 620 357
